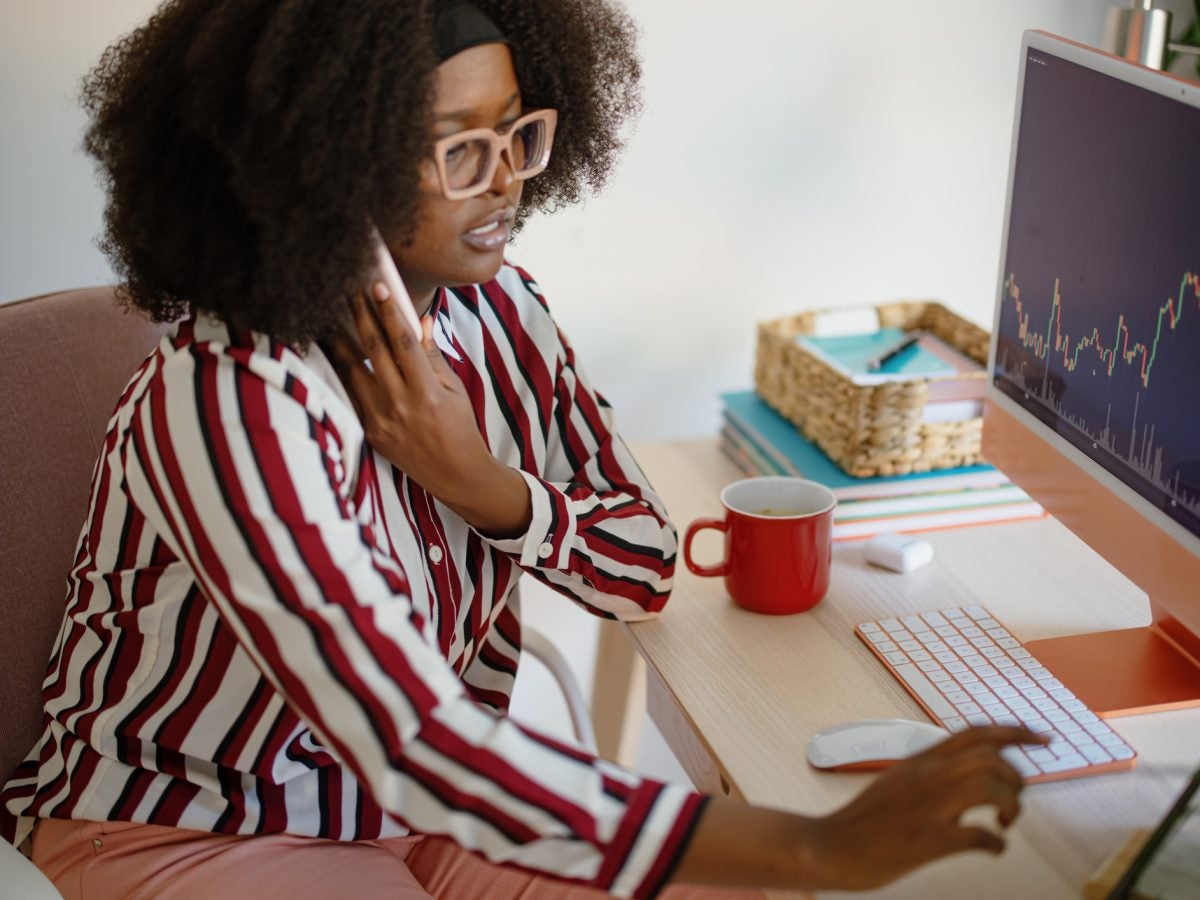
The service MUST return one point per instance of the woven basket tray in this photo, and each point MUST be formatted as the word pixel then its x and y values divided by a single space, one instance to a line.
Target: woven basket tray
pixel 870 429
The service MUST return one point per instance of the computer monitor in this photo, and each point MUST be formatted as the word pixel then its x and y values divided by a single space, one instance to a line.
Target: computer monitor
pixel 1093 402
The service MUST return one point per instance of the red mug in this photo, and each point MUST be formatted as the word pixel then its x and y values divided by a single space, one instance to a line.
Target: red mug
pixel 778 543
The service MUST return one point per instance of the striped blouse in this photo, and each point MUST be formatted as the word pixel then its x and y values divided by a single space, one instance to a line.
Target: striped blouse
pixel 269 628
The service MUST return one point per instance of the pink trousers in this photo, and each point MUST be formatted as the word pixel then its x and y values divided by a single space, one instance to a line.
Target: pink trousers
pixel 122 861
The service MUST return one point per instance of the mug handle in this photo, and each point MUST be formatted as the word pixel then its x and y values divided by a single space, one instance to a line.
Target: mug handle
pixel 721 568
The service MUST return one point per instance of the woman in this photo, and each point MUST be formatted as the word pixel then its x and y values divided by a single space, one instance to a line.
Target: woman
pixel 289 625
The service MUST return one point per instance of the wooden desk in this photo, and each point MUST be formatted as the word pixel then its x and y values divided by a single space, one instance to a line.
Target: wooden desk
pixel 737 694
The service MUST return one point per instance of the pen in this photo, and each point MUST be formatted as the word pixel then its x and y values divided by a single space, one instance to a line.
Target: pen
pixel 874 365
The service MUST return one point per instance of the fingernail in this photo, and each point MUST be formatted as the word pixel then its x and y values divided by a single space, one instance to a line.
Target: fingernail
pixel 381 292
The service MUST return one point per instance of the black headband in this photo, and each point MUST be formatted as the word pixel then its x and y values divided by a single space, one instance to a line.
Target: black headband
pixel 459 25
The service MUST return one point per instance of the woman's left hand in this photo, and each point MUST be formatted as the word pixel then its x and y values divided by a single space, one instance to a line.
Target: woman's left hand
pixel 416 412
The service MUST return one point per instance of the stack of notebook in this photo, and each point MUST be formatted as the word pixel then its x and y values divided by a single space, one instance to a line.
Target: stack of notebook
pixel 762 442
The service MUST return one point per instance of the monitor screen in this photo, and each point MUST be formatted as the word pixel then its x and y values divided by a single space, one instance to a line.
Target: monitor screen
pixel 1098 320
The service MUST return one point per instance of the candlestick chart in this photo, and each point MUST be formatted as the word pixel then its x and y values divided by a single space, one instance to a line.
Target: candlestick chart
pixel 1118 377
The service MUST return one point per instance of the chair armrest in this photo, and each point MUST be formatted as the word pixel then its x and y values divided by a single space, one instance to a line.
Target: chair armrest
pixel 21 878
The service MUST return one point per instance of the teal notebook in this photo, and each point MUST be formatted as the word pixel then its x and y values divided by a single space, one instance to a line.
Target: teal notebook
pixel 789 451
pixel 854 353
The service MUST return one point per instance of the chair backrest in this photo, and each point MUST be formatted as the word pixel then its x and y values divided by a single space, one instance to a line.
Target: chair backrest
pixel 64 359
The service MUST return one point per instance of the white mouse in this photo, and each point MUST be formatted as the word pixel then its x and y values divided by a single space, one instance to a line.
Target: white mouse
pixel 871 744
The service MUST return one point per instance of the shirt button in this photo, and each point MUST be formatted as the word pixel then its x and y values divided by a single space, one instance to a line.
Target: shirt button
pixel 435 554
pixel 546 550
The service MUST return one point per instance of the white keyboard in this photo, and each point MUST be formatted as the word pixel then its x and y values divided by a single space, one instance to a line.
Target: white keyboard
pixel 965 668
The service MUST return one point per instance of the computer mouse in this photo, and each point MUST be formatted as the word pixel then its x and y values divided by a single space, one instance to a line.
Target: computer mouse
pixel 871 743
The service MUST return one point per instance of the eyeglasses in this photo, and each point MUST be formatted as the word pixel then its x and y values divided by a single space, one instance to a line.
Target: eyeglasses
pixel 467 162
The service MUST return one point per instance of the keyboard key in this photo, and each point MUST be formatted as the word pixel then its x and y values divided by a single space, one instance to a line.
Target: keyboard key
pixel 1121 752
pixel 967 677
pixel 993 653
pixel 920 656
pixel 936 647
pixel 955 613
pixel 955 723
pixel 1095 754
pixel 1019 761
pixel 868 627
pixel 945 656
pixel 1039 675
pixel 985 671
pixel 912 623
pixel 934 618
pixel 1008 643
pixel 1109 740
pixel 995 709
pixel 1059 694
pixel 909 645
pixel 979 718
pixel 925 691
pixel 1025 662
pixel 1004 691
pixel 878 637
pixel 1073 706
pixel 985 698
pixel 1073 761
pixel 1007 719
pixel 927 665
pixel 1017 702
pixel 1097 728
pixel 955 666
pixel 925 637
pixel 1069 727
pixel 1041 755
pixel 957 640
pixel 968 709
pixel 940 676
pixel 1084 716
pixel 885 646
pixel 1080 738
pixel 1044 703
pixel 895 657
pixel 971 631
pixel 1053 684
pixel 975 612
pixel 890 625
pixel 994 681
pixel 958 697
pixel 1019 653
pixel 975 687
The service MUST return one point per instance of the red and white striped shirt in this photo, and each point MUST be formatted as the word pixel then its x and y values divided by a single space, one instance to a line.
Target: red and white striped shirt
pixel 269 628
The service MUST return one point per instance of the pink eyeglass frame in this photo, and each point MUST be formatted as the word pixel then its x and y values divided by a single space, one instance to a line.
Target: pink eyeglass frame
pixel 501 145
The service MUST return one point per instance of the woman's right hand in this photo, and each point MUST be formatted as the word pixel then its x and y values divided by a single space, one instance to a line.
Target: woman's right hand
pixel 909 816
pixel 912 813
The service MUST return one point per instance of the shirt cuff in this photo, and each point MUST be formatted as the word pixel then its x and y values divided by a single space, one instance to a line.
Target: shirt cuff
pixel 651 839
pixel 547 542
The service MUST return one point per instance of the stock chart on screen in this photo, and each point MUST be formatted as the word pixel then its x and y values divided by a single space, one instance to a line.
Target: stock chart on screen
pixel 1099 325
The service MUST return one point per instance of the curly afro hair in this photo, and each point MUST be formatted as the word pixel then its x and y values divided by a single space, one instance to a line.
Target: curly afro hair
pixel 244 143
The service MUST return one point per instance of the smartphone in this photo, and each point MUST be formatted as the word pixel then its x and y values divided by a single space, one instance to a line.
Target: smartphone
pixel 385 270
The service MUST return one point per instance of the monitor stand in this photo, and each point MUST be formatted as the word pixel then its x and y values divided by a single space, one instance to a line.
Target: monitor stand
pixel 1124 672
